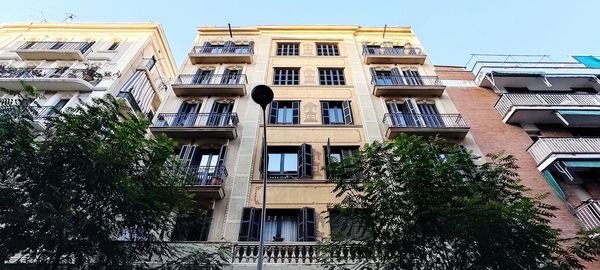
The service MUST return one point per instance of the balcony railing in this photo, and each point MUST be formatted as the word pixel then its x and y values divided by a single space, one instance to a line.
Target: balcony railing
pixel 401 120
pixel 212 79
pixel 394 80
pixel 589 214
pixel 48 73
pixel 37 112
pixel 544 147
pixel 201 175
pixel 296 253
pixel 196 120
pixel 508 101
pixel 238 49
pixel 82 47
pixel 372 51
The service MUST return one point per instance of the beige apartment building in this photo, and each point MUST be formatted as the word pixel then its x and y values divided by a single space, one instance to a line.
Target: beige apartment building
pixel 70 63
pixel 336 88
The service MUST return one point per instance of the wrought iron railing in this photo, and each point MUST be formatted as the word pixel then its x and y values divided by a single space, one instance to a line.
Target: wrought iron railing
pixel 37 112
pixel 82 47
pixel 237 49
pixel 395 80
pixel 589 214
pixel 413 51
pixel 508 101
pixel 401 120
pixel 196 120
pixel 49 73
pixel 200 175
pixel 212 79
pixel 544 147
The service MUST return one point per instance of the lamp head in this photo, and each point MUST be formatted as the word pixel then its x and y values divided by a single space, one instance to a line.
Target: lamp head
pixel 262 95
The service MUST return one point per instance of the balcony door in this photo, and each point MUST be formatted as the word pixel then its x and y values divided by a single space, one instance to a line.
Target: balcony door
pixel 204 164
pixel 430 115
pixel 220 114
pixel 231 76
pixel 403 114
pixel 187 114
pixel 202 77
pixel 412 77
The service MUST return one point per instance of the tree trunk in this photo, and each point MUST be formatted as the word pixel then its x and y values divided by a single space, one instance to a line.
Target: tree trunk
pixel 56 260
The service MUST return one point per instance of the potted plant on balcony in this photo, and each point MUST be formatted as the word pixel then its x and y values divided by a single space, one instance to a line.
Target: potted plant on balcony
pixel 91 73
pixel 216 181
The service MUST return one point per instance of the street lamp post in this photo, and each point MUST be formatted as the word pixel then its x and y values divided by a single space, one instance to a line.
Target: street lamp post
pixel 263 95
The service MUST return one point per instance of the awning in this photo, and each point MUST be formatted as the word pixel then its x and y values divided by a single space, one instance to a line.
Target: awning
pixel 579 118
pixel 588 61
pixel 582 164
pixel 552 182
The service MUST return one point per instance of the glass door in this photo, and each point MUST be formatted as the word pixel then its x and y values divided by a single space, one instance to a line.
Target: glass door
pixel 430 115
pixel 412 77
pixel 384 78
pixel 187 114
pixel 202 77
pixel 220 115
pixel 207 165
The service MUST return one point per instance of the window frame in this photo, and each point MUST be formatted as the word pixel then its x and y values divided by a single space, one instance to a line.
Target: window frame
pixel 291 76
pixel 287 49
pixel 327 49
pixel 275 110
pixel 114 46
pixel 332 76
pixel 345 109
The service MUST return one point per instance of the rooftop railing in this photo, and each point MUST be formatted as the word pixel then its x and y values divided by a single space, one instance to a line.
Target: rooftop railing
pixel 196 120
pixel 401 120
pixel 212 49
pixel 507 101
pixel 211 79
pixel 395 80
pixel 374 51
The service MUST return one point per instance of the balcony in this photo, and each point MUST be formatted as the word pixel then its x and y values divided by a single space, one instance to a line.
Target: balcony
pixel 221 54
pixel 39 114
pixel 213 84
pixel 390 55
pixel 204 181
pixel 546 150
pixel 589 214
pixel 204 125
pixel 451 126
pixel 572 110
pixel 390 85
pixel 47 50
pixel 48 79
pixel 300 253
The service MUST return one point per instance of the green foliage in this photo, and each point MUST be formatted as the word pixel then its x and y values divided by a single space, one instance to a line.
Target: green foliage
pixel 427 205
pixel 68 195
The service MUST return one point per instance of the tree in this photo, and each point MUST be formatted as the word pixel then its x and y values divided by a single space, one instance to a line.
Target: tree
pixel 425 204
pixel 92 191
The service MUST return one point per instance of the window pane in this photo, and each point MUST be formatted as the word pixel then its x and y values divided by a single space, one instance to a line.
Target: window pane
pixel 335 157
pixel 290 162
pixel 288 115
pixel 274 163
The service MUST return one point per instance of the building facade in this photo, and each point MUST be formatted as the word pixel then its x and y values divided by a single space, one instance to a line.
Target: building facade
pixel 543 112
pixel 69 63
pixel 336 88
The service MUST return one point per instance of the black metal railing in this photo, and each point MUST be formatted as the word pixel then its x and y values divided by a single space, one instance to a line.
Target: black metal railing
pixel 395 80
pixel 237 49
pixel 413 51
pixel 131 100
pixel 49 73
pixel 36 112
pixel 211 79
pixel 195 175
pixel 82 47
pixel 196 120
pixel 424 120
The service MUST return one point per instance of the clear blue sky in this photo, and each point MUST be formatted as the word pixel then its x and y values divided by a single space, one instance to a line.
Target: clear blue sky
pixel 449 30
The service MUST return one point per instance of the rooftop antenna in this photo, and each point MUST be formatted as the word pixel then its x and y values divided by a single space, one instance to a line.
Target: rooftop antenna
pixel 43 16
pixel 230 33
pixel 69 17
pixel 384 29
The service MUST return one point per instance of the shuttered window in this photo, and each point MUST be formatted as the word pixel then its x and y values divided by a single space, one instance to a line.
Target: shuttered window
pixel 192 226
pixel 281 225
pixel 284 112
pixel 327 49
pixel 286 76
pixel 336 113
pixel 287 49
pixel 288 162
pixel 331 76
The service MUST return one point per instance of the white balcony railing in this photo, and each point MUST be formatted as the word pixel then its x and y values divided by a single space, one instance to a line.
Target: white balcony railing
pixel 543 148
pixel 299 253
pixel 508 101
pixel 589 214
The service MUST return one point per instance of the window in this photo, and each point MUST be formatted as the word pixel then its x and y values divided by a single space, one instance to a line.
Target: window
pixel 113 46
pixel 193 226
pixel 331 76
pixel 150 64
pixel 338 154
pixel 346 226
pixel 288 162
pixel 285 112
pixel 281 225
pixel 58 106
pixel 286 76
pixel 327 49
pixel 336 113
pixel 288 48
pixel 411 114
